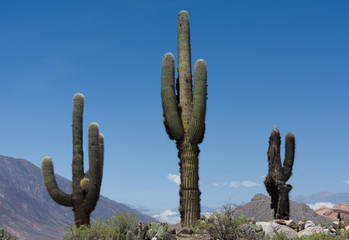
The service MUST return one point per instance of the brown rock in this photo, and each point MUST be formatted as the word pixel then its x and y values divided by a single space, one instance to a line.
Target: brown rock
pixel 341 208
pixel 280 221
pixel 301 225
pixel 184 232
pixel 291 224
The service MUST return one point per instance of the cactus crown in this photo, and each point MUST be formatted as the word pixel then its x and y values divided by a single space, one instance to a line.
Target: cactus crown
pixel 184 109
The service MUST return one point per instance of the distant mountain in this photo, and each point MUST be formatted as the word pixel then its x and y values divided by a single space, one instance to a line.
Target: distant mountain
pixel 323 197
pixel 205 209
pixel 259 209
pixel 27 211
pixel 341 208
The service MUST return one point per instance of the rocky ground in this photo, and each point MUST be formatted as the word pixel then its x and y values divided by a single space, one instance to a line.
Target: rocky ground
pixel 249 230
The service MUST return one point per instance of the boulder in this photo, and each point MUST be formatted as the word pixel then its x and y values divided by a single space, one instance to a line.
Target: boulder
pixel 301 225
pixel 269 229
pixel 292 224
pixel 309 224
pixel 168 236
pixel 251 231
pixel 311 230
pixel 184 232
pixel 280 221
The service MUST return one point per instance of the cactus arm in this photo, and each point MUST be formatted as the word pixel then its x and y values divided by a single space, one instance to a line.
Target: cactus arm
pixel 101 158
pixel 274 159
pixel 50 181
pixel 78 155
pixel 94 170
pixel 172 121
pixel 184 69
pixel 289 155
pixel 197 123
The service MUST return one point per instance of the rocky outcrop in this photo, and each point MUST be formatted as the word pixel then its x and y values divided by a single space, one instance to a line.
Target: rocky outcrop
pixel 271 229
pixel 259 209
pixel 27 211
pixel 341 208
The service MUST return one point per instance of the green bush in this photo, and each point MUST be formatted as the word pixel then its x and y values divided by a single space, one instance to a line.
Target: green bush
pixel 222 225
pixel 113 228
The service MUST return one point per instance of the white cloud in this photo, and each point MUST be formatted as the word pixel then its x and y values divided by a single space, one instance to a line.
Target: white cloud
pixel 249 183
pixel 220 184
pixel 320 204
pixel 168 216
pixel 174 178
pixel 236 184
pixel 346 181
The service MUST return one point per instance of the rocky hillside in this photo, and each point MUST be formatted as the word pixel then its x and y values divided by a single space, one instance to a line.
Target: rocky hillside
pixel 259 209
pixel 27 211
pixel 341 208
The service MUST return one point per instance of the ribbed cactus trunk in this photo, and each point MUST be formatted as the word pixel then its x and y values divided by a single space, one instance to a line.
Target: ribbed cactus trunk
pixel 277 177
pixel 184 115
pixel 86 187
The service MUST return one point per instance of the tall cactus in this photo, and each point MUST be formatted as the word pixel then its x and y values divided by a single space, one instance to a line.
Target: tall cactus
pixel 275 182
pixel 184 117
pixel 86 187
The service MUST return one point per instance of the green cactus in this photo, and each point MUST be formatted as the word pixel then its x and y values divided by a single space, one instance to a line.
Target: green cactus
pixel 86 187
pixel 275 182
pixel 184 117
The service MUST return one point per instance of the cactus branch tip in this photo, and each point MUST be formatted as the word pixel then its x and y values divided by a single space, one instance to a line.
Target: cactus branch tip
pixel 46 159
pixel 200 61
pixel 183 12
pixel 93 125
pixel 290 134
pixel 79 95
pixel 169 55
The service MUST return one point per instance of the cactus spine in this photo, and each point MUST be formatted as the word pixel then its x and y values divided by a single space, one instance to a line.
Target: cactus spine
pixel 86 187
pixel 277 177
pixel 184 117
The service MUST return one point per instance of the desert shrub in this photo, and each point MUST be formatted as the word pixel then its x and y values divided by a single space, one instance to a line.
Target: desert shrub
pixel 326 224
pixel 277 236
pixel 345 221
pixel 113 228
pixel 223 225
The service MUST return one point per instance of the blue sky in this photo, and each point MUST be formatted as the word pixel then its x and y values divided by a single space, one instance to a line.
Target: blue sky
pixel 282 63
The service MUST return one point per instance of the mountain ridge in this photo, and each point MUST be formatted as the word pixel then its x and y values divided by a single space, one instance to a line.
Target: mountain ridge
pixel 27 210
pixel 323 197
pixel 259 210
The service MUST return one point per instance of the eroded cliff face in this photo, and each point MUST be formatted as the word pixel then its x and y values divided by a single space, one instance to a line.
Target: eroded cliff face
pixel 27 211
pixel 341 208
